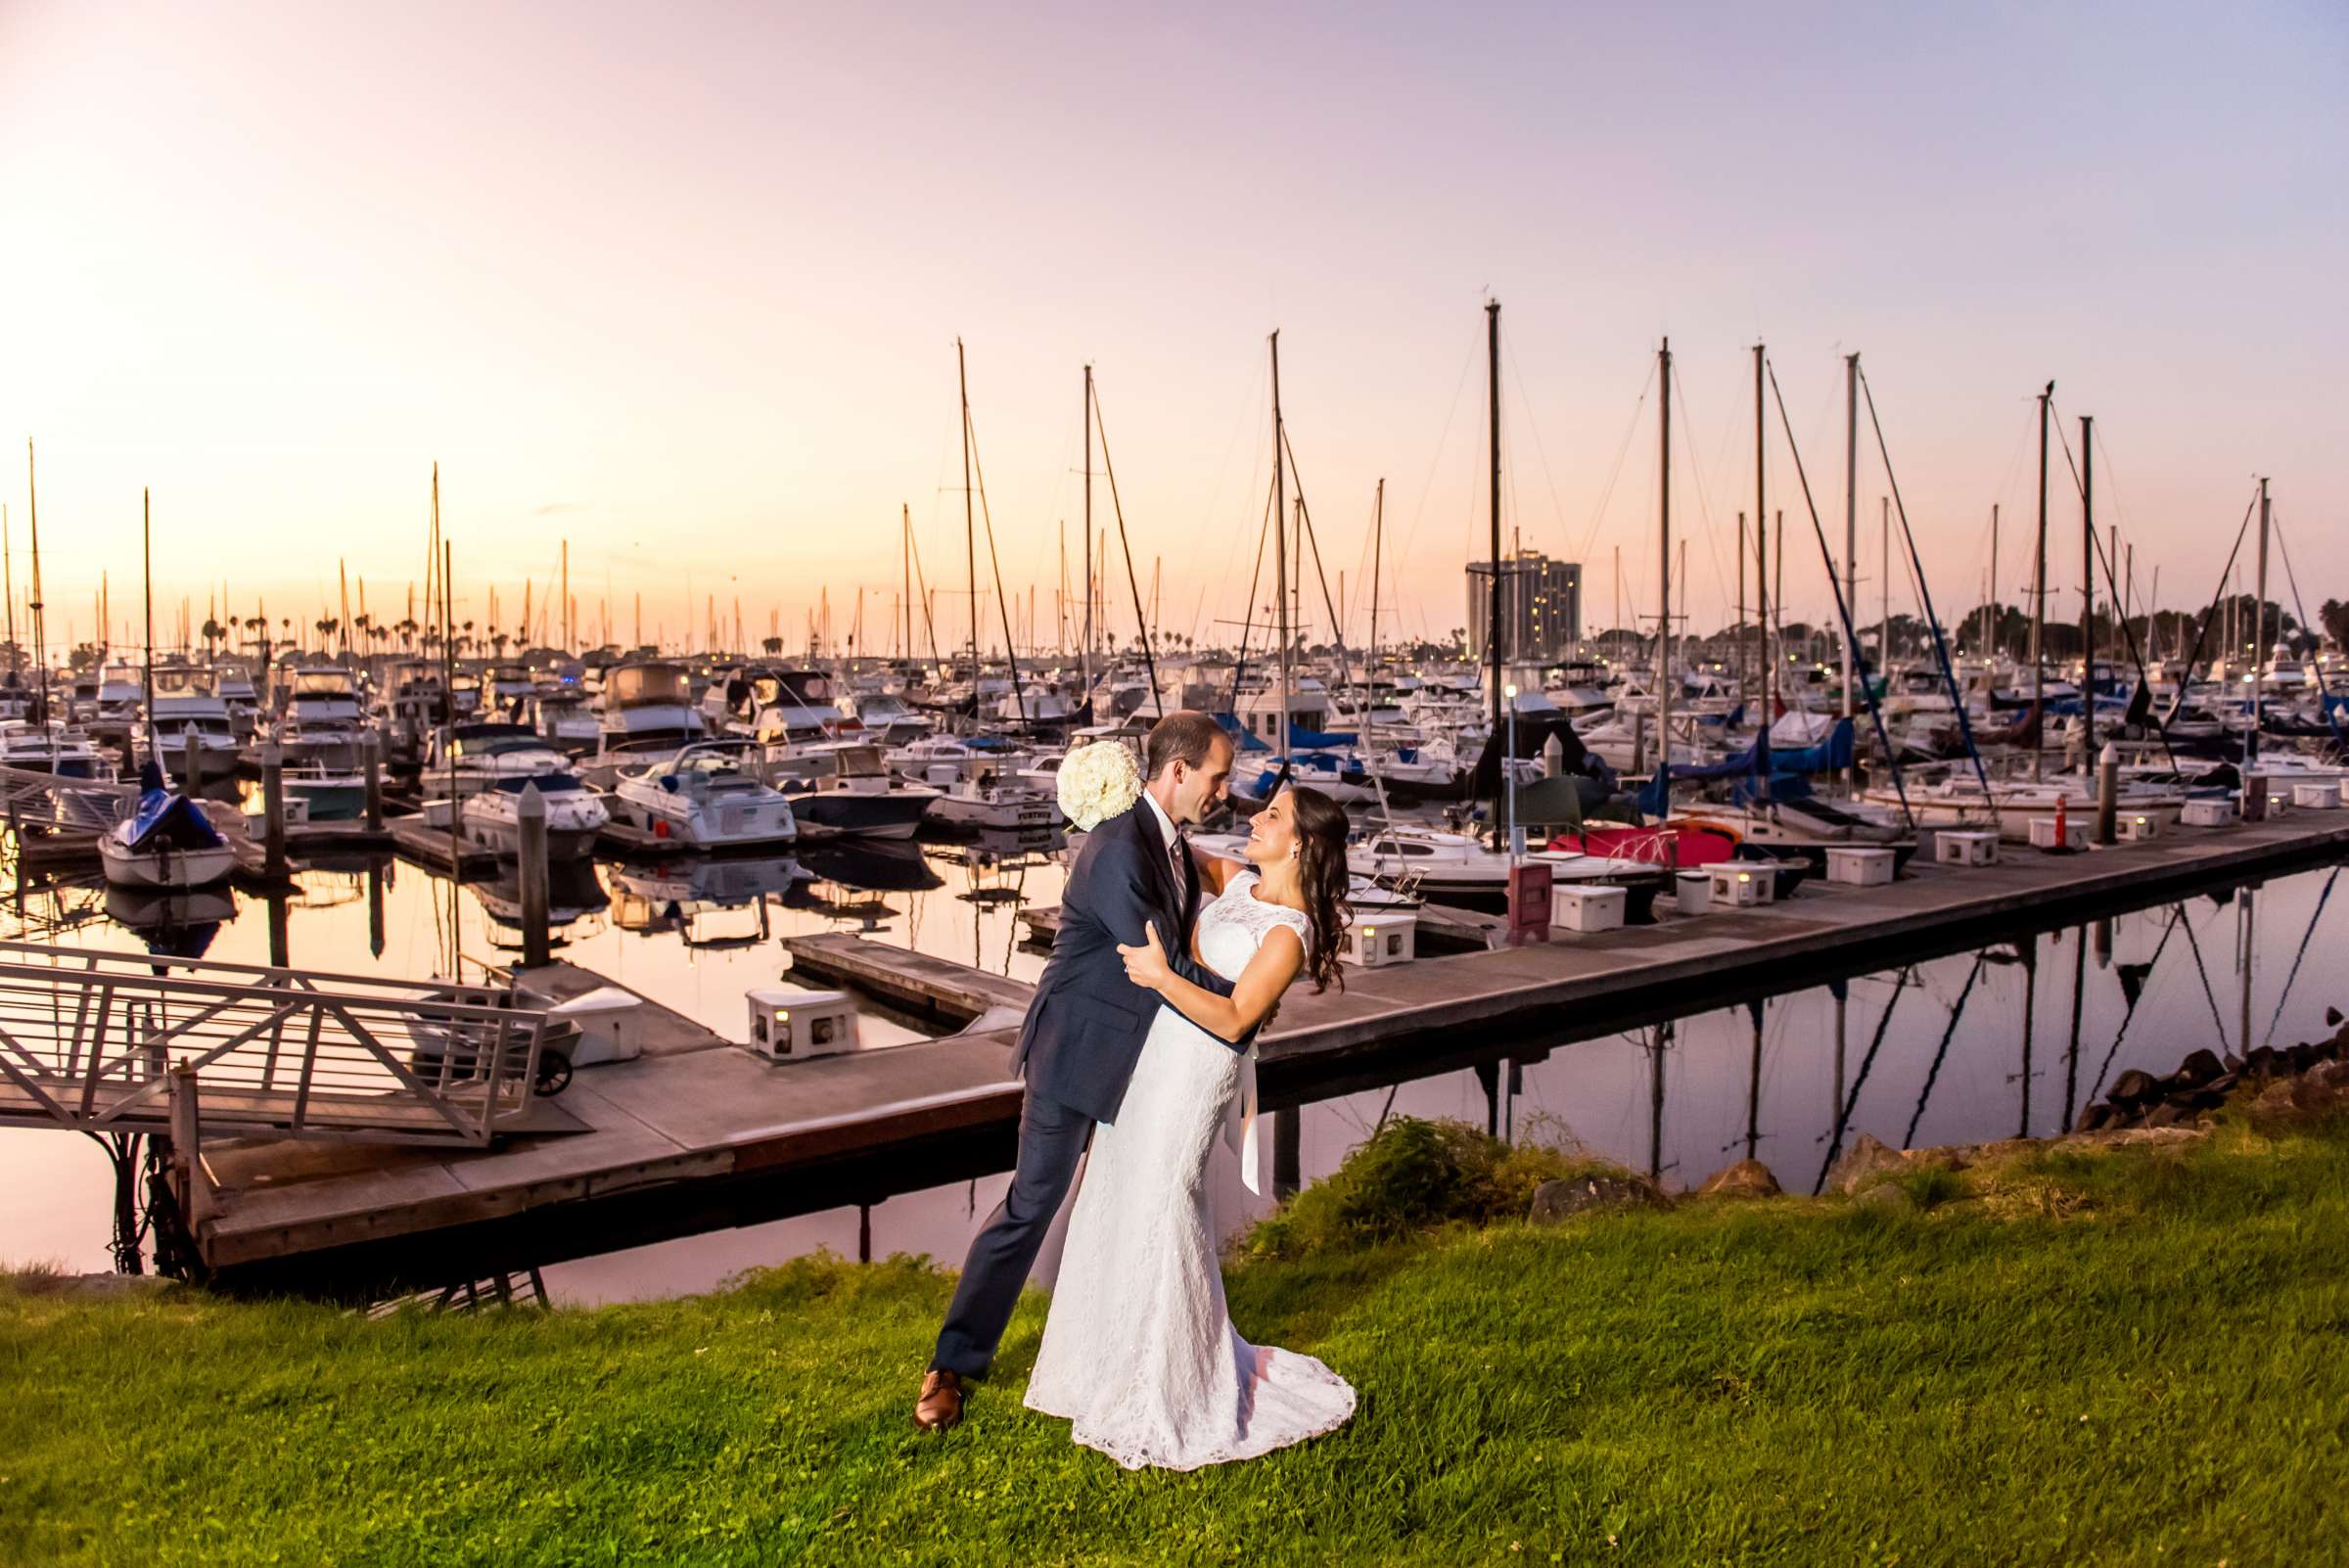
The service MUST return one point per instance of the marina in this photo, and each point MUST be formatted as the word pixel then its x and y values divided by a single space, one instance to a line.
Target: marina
pixel 699 1132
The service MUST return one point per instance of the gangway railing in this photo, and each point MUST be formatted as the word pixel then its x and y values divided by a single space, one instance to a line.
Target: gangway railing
pixel 31 798
pixel 89 1039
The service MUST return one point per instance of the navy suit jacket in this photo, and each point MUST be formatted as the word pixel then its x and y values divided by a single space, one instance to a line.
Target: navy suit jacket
pixel 1084 1030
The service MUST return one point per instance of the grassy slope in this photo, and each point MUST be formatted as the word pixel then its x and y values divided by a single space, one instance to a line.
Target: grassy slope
pixel 2125 1358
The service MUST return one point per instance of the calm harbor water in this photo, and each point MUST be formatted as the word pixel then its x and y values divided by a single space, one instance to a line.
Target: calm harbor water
pixel 2012 1038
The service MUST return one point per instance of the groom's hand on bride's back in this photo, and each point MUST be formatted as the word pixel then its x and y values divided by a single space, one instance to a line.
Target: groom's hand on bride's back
pixel 1146 964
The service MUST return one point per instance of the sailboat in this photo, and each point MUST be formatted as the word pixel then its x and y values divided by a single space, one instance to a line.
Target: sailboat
pixel 167 841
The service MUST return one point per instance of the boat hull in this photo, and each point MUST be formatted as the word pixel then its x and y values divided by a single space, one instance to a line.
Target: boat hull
pixel 164 866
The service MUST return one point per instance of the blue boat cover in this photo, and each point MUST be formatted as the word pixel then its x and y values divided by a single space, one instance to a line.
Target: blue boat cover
pixel 168 820
pixel 1787 763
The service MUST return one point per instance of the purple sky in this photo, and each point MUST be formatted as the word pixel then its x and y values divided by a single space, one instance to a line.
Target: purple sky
pixel 681 284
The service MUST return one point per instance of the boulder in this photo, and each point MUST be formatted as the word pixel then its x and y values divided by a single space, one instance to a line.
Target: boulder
pixel 2197 1070
pixel 2332 1018
pixel 1587 1194
pixel 1889 1196
pixel 1747 1179
pixel 1865 1164
pixel 2169 1114
pixel 2095 1118
pixel 2260 1062
pixel 2134 1088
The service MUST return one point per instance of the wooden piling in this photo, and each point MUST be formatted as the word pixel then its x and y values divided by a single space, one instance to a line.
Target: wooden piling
pixel 2108 788
pixel 273 812
pixel 371 754
pixel 1286 1179
pixel 530 813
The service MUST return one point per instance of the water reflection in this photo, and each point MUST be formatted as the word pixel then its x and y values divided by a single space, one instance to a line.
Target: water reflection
pixel 2015 1037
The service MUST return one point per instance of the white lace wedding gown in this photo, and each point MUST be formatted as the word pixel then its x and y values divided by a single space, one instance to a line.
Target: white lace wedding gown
pixel 1138 1349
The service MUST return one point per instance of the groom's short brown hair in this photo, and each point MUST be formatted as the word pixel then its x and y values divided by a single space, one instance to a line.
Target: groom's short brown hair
pixel 1185 735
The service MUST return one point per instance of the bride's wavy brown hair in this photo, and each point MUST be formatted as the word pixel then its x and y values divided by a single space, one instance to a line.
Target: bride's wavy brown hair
pixel 1321 877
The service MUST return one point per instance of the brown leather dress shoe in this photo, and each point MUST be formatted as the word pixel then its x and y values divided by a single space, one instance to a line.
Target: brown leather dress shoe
pixel 940 1406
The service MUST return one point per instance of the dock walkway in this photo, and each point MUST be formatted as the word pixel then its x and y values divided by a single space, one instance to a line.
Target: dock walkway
pixel 678 1143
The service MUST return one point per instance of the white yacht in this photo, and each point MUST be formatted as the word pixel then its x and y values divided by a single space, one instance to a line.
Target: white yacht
pixel 575 814
pixel 190 720
pixel 844 787
pixel 706 797
pixel 469 758
pixel 647 717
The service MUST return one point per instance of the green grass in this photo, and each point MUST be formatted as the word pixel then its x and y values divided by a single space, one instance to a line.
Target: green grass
pixel 2137 1358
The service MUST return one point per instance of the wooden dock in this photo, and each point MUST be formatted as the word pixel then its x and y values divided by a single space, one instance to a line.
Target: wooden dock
pixel 1443 929
pixel 711 1135
pixel 913 982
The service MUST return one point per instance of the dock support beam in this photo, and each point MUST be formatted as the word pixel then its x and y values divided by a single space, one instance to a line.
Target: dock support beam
pixel 530 820
pixel 1285 1177
pixel 371 757
pixel 273 812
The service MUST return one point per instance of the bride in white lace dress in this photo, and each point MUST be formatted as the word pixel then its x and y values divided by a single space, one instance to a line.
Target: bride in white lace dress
pixel 1138 1351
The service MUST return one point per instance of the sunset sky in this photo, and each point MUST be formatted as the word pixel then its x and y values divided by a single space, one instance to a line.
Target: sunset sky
pixel 681 284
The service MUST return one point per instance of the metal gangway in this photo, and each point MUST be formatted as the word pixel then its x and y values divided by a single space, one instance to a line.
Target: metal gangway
pixel 33 799
pixel 95 1041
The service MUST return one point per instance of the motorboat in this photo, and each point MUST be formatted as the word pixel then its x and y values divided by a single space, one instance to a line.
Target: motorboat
pixel 647 718
pixel 845 787
pixel 473 756
pixel 325 794
pixel 166 841
pixel 492 816
pixel 195 735
pixel 989 800
pixel 52 748
pixel 708 796
pixel 118 693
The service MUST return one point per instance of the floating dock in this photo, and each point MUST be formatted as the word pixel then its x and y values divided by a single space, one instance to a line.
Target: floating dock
pixel 706 1134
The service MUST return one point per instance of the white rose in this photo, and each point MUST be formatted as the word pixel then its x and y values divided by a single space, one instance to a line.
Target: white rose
pixel 1099 782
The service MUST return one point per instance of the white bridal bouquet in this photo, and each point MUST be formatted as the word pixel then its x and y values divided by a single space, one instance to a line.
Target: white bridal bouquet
pixel 1099 782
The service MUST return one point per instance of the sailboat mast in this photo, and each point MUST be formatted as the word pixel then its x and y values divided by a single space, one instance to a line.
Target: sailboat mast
pixel 1493 406
pixel 40 639
pixel 970 542
pixel 146 572
pixel 2039 597
pixel 1280 547
pixel 906 569
pixel 2259 623
pixel 1761 541
pixel 1851 523
pixel 1378 543
pixel 1664 564
pixel 2088 598
pixel 1085 655
pixel 8 588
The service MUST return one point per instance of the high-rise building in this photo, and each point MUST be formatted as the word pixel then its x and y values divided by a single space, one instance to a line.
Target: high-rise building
pixel 1541 607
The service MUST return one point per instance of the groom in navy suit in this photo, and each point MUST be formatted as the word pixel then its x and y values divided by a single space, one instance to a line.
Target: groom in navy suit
pixel 1084 1031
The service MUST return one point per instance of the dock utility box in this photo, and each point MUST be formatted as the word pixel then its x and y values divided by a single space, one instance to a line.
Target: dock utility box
pixel 1693 893
pixel 2317 796
pixel 611 1024
pixel 2044 837
pixel 1386 937
pixel 1740 886
pixel 2134 827
pixel 1858 865
pixel 2215 811
pixel 1965 847
pixel 789 1024
pixel 1586 906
